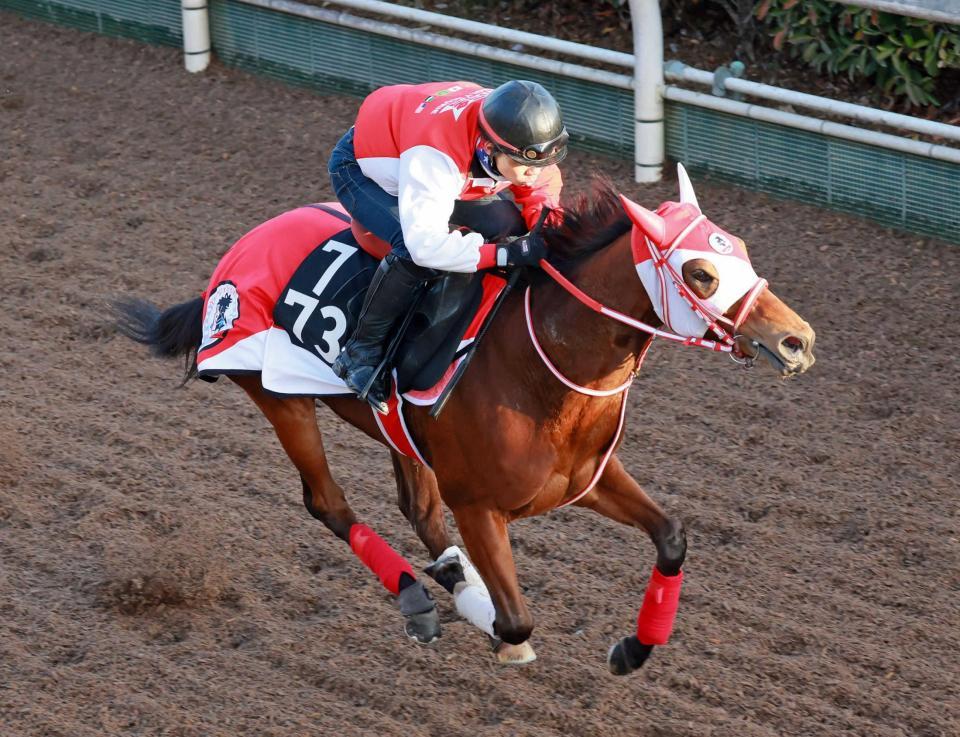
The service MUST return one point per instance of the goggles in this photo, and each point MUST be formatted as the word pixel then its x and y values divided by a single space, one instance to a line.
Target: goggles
pixel 539 154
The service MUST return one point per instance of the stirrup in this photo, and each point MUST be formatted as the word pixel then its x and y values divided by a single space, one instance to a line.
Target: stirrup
pixel 364 395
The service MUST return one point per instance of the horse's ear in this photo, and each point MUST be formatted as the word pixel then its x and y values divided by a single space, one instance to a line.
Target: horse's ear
pixel 649 222
pixel 686 188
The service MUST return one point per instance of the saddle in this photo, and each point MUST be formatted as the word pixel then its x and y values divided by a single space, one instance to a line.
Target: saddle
pixel 343 267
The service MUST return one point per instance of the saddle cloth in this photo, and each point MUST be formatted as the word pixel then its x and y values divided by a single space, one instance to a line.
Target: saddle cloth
pixel 285 298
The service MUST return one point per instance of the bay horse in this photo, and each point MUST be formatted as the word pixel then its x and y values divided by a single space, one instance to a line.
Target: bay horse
pixel 548 386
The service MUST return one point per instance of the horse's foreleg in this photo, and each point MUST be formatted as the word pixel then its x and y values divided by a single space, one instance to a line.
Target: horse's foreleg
pixel 295 423
pixel 484 533
pixel 619 497
pixel 419 500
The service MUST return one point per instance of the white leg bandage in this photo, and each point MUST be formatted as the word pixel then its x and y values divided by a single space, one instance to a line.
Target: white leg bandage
pixel 474 605
pixel 471 597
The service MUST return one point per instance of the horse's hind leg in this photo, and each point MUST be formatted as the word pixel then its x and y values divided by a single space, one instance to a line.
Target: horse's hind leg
pixel 295 422
pixel 619 497
pixel 419 499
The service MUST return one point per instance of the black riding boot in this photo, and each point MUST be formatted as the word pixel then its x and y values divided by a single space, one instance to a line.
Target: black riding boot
pixel 391 293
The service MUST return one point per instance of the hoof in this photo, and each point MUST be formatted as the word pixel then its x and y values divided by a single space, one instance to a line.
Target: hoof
pixel 627 655
pixel 508 654
pixel 423 622
pixel 423 628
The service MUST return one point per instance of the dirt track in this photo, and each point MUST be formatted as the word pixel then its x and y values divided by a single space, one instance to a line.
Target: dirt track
pixel 159 575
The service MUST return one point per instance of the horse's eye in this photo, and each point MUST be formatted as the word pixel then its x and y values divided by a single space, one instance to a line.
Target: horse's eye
pixel 701 275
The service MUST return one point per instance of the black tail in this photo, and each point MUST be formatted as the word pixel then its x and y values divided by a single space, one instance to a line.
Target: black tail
pixel 174 332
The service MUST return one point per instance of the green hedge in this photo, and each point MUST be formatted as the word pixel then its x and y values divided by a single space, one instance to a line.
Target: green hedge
pixel 902 56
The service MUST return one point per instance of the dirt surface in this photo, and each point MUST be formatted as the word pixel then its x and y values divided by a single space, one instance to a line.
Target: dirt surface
pixel 159 575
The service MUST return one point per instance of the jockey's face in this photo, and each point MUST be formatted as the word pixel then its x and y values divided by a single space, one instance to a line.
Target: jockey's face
pixel 514 172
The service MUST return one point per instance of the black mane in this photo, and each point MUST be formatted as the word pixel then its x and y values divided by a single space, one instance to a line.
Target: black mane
pixel 590 223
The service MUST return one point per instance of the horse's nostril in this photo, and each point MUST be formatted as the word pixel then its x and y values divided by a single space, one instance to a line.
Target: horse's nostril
pixel 792 343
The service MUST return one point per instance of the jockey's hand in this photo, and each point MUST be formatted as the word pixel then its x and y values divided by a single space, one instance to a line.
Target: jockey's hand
pixel 527 250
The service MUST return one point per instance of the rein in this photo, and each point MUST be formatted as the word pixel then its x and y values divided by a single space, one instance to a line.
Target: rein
pixel 725 344
pixel 594 305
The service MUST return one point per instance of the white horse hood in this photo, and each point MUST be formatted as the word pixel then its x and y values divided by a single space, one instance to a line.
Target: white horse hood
pixel 680 232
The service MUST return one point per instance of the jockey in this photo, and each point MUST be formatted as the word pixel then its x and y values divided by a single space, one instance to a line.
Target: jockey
pixel 414 151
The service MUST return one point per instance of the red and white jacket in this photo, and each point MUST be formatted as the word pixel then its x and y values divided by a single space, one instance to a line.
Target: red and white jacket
pixel 418 142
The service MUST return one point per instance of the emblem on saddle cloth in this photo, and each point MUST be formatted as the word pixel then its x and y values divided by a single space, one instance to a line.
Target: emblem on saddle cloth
pixel 223 309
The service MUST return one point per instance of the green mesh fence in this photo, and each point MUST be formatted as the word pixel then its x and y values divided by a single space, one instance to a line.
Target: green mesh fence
pixel 152 21
pixel 329 57
pixel 910 192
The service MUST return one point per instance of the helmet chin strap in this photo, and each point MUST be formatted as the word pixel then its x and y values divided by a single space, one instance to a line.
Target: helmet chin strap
pixel 487 162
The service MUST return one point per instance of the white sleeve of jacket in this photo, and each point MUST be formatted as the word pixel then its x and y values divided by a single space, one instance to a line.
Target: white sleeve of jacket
pixel 429 184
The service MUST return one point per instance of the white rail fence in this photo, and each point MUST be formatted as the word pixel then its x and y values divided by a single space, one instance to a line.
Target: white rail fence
pixel 939 11
pixel 648 72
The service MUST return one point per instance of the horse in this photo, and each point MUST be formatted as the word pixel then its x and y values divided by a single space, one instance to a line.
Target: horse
pixel 548 386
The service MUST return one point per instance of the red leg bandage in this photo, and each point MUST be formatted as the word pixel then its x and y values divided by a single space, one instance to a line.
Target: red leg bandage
pixel 655 621
pixel 379 557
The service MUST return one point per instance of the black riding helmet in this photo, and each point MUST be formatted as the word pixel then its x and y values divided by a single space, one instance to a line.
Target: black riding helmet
pixel 522 120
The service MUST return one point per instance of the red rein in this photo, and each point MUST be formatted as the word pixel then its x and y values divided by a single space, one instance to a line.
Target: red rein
pixel 659 608
pixel 379 557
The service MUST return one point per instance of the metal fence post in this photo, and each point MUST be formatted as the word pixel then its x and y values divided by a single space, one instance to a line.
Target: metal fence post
pixel 648 144
pixel 196 35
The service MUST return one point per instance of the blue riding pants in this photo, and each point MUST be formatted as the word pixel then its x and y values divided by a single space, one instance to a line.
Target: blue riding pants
pixel 363 198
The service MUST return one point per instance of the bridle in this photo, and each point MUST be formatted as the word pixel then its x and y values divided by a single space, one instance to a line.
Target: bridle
pixel 726 336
